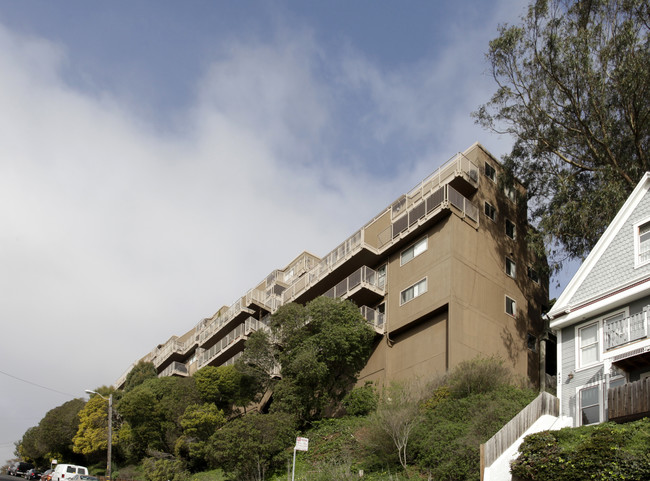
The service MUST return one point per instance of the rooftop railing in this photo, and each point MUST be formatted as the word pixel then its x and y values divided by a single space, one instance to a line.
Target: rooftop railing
pixel 621 331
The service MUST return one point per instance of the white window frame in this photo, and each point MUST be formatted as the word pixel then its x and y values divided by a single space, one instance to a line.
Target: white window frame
pixel 493 172
pixel 514 306
pixel 511 268
pixel 493 217
pixel 418 247
pixel 419 288
pixel 599 387
pixel 579 347
pixel 637 243
pixel 511 194
pixel 514 229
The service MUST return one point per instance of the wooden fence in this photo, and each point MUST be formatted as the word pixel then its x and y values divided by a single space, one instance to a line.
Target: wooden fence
pixel 629 402
pixel 545 403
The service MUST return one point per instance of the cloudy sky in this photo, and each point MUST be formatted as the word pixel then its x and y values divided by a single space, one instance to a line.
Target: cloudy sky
pixel 159 158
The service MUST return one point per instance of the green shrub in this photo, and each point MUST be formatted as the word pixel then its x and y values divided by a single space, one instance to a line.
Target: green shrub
pixel 164 470
pixel 479 375
pixel 361 400
pixel 603 452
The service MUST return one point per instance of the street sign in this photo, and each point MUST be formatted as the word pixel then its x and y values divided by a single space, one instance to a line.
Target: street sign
pixel 302 444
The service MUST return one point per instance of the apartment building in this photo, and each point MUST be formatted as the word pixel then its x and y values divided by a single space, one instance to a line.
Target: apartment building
pixel 443 274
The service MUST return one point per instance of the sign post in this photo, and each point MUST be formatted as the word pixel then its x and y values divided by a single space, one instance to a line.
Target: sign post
pixel 302 444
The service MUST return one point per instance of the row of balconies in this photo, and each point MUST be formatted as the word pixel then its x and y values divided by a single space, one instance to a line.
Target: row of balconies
pixel 428 199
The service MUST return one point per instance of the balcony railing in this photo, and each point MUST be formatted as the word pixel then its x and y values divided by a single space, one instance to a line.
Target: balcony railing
pixel 619 332
pixel 167 350
pixel 241 332
pixel 175 367
pixel 362 276
pixel 374 317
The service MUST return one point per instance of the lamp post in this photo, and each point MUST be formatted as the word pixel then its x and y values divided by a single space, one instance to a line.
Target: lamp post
pixel 110 429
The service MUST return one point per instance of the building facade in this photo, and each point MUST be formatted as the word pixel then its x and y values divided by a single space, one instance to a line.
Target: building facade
pixel 601 320
pixel 443 274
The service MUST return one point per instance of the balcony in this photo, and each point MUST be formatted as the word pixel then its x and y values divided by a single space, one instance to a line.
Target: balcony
pixel 375 318
pixel 629 402
pixel 235 313
pixel 622 331
pixel 231 344
pixel 175 369
pixel 363 286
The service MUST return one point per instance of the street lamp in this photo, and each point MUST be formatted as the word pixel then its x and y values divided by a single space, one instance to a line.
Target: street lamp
pixel 110 429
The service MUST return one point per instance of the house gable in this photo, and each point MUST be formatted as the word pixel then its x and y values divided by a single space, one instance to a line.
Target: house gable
pixel 611 264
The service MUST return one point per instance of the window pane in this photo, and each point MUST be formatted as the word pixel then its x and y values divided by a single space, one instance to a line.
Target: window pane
pixel 589 354
pixel 420 247
pixel 590 415
pixel 407 255
pixel 589 397
pixel 589 335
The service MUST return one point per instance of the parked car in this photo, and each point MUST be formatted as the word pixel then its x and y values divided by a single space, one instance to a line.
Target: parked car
pixel 20 468
pixel 63 472
pixel 33 474
pixel 47 475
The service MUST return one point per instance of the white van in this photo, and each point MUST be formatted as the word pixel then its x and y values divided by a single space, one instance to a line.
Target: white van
pixel 67 471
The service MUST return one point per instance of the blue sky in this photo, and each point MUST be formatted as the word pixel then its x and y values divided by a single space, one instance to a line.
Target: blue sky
pixel 140 141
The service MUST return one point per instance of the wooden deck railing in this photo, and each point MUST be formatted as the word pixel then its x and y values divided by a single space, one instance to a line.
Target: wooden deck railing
pixel 629 402
pixel 545 403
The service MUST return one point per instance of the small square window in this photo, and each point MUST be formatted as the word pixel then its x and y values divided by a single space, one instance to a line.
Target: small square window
pixel 490 211
pixel 511 268
pixel 510 229
pixel 511 306
pixel 490 173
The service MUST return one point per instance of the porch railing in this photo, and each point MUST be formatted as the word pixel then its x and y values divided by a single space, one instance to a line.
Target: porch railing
pixel 628 329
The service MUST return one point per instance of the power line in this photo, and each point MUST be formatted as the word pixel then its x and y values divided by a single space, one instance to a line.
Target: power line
pixel 38 385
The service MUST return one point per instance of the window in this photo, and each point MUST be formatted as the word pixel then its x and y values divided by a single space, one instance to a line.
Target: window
pixel 532 274
pixel 588 349
pixel 642 243
pixel 510 228
pixel 381 276
pixel 511 268
pixel 490 211
pixel 511 306
pixel 415 250
pixel 490 173
pixel 589 405
pixel 511 194
pixel 412 292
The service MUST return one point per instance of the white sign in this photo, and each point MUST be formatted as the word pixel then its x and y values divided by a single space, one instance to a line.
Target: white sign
pixel 302 444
